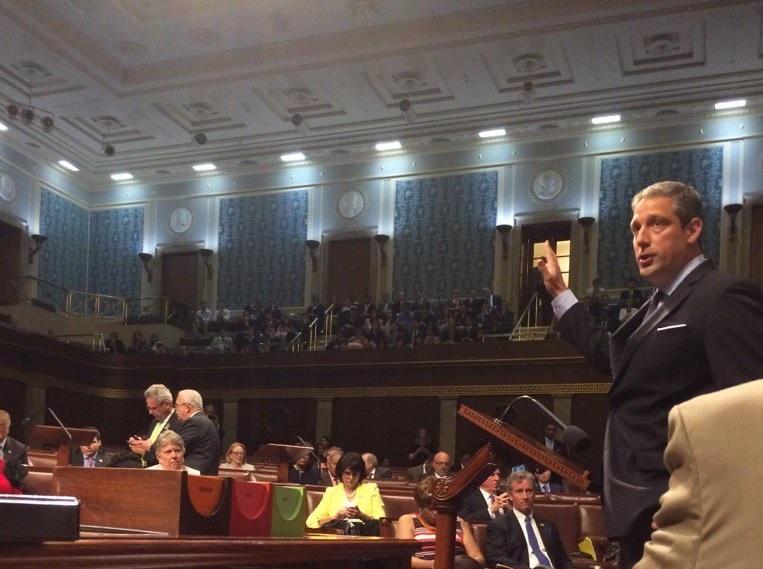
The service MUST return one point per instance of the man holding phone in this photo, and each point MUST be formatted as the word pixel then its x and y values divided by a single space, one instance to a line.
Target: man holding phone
pixel 486 502
pixel 159 406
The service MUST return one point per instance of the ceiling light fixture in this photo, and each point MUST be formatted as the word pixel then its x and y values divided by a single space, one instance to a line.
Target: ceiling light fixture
pixel 68 165
pixel 31 116
pixel 293 157
pixel 492 133
pixel 205 167
pixel 734 104
pixel 299 123
pixel 409 113
pixel 606 119
pixel 3 127
pixel 121 176
pixel 388 145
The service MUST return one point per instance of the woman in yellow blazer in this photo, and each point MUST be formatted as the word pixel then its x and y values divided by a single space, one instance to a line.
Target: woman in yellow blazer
pixel 353 499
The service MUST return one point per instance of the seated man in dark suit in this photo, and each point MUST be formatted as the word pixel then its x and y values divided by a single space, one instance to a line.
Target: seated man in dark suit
pixel 373 470
pixel 486 502
pixel 304 469
pixel 519 540
pixel 544 481
pixel 202 443
pixel 328 474
pixel 12 452
pixel 90 456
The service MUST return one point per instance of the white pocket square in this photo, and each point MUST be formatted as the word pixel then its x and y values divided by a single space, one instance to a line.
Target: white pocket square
pixel 661 328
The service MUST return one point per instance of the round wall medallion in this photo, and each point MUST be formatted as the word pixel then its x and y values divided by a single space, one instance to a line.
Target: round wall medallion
pixel 181 219
pixel 547 184
pixel 351 203
pixel 7 187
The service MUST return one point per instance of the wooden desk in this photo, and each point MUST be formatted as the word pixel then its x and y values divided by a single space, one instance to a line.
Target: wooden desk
pixel 115 551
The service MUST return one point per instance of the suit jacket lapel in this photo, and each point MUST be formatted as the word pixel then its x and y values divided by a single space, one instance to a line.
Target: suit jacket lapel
pixel 627 338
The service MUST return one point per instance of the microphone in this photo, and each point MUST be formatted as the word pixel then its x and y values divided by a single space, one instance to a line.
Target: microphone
pixel 60 424
pixel 304 443
pixel 574 437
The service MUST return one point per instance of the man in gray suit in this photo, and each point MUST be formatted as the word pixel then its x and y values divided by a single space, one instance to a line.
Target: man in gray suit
pixel 700 332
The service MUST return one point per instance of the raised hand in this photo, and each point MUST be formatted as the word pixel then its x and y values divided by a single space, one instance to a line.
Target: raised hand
pixel 551 272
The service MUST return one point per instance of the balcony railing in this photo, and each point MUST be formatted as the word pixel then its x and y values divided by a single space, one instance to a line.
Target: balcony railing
pixel 82 304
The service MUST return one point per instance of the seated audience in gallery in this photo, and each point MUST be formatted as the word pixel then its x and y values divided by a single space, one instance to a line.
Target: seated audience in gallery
pixel 352 506
pixel 138 345
pixel 422 526
pixel 170 452
pixel 203 318
pixel 265 328
pixel 235 458
pixel 114 345
pixel 221 319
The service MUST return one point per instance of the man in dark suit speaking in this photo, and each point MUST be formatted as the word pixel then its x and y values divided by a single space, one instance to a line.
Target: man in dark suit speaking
pixel 699 332
pixel 520 541
pixel 202 443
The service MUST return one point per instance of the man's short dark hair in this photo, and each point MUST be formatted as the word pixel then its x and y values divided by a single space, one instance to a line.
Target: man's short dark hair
pixel 687 202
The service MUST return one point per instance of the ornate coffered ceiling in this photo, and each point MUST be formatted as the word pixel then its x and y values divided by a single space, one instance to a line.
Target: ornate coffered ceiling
pixel 147 76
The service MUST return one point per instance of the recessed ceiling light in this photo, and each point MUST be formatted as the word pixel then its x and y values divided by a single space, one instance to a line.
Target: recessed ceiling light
pixel 68 165
pixel 205 167
pixel 605 119
pixel 735 104
pixel 121 176
pixel 293 157
pixel 492 133
pixel 3 127
pixel 388 145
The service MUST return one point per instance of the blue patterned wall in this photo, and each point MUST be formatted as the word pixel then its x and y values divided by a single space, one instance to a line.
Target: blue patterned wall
pixel 262 252
pixel 622 178
pixel 445 233
pixel 63 258
pixel 116 238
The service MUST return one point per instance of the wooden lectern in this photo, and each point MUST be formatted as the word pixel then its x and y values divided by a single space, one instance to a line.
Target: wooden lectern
pixel 447 491
pixel 282 455
pixel 46 436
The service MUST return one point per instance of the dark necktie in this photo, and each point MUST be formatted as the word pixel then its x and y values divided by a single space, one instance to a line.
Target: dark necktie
pixel 654 302
pixel 534 545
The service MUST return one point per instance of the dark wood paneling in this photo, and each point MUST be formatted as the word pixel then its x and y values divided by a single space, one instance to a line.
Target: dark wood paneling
pixel 275 421
pixel 384 426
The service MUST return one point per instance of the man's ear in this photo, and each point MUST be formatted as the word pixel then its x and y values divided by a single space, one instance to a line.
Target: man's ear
pixel 693 230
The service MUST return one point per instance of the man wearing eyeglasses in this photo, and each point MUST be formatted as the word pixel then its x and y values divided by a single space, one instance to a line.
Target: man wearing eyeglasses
pixel 159 406
pixel 202 443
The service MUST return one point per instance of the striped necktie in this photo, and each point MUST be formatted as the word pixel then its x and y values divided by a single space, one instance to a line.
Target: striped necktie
pixel 534 545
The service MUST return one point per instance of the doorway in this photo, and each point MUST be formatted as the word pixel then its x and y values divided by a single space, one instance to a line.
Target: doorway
pixel 349 273
pixel 180 273
pixel 558 233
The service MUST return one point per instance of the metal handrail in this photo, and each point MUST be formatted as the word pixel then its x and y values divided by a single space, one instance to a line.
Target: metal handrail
pixel 96 340
pixel 78 303
pixel 532 314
